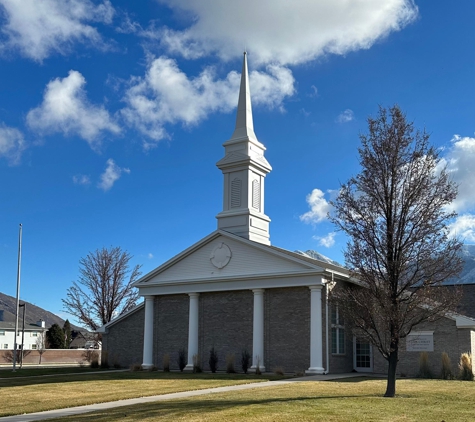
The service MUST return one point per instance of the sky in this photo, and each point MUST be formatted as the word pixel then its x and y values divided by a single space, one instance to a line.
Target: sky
pixel 113 115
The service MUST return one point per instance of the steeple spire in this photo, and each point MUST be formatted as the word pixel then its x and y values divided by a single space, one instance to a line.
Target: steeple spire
pixel 244 124
pixel 244 168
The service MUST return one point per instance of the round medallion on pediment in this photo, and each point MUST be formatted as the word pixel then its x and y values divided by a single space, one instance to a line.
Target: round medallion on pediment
pixel 221 255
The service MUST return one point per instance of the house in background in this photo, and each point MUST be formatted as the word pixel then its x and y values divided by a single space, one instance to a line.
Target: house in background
pixel 234 291
pixel 34 335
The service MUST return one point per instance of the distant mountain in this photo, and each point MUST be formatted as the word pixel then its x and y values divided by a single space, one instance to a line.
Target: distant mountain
pixel 318 256
pixel 467 276
pixel 33 313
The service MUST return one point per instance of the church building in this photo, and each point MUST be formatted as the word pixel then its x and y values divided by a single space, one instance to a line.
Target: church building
pixel 234 291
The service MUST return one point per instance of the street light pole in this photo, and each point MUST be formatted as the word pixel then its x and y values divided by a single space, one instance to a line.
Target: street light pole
pixel 17 300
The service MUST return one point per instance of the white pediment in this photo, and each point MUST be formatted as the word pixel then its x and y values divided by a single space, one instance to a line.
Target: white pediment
pixel 223 256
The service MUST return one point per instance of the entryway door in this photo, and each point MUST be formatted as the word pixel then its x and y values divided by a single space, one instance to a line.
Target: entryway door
pixel 362 356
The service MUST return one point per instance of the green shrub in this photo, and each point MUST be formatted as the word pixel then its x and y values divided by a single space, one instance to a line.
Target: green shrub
pixel 181 359
pixel 213 360
pixel 245 360
pixel 230 363
pixel 446 373
pixel 424 368
pixel 166 362
pixel 465 367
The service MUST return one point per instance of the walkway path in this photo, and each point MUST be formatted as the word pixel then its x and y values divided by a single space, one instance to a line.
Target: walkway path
pixel 50 414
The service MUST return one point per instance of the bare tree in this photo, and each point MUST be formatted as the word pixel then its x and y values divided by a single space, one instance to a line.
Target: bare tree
pixel 40 346
pixel 104 289
pixel 395 215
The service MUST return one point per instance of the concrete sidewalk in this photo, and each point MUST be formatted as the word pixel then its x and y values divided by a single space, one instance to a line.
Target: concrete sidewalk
pixel 50 414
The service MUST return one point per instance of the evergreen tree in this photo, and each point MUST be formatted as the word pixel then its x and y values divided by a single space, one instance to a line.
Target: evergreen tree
pixel 67 334
pixel 55 337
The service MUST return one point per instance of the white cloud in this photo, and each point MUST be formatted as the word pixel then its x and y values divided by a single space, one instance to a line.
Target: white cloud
pixel 166 95
pixel 111 174
pixel 345 116
pixel 314 91
pixel 464 228
pixel 12 143
pixel 150 255
pixel 81 179
pixel 460 161
pixel 319 207
pixel 38 29
pixel 327 241
pixel 279 31
pixel 66 109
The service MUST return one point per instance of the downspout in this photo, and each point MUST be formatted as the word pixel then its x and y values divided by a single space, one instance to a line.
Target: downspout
pixel 327 346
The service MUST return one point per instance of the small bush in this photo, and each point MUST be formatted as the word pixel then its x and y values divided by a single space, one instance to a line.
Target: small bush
pixel 95 363
pixel 230 364
pixel 446 373
pixel 181 359
pixel 154 368
pixel 166 362
pixel 245 360
pixel 213 360
pixel 196 364
pixel 115 362
pixel 465 367
pixel 424 368
pixel 279 371
pixel 135 367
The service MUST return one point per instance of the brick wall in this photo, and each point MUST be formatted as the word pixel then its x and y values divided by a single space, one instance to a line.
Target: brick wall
pixel 287 329
pixel 170 328
pixel 123 341
pixel 447 338
pixel 225 323
pixel 51 356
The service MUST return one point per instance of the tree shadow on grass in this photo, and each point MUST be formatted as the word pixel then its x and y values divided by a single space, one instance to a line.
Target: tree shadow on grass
pixel 178 408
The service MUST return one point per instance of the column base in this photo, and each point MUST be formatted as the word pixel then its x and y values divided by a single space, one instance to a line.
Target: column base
pixel 253 368
pixel 147 366
pixel 188 368
pixel 315 371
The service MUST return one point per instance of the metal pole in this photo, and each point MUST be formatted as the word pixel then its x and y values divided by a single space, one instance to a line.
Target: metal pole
pixel 23 336
pixel 17 300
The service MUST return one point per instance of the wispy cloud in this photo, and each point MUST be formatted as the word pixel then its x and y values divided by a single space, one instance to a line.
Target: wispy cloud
pixel 165 95
pixel 345 116
pixel 111 174
pixel 37 29
pixel 463 228
pixel 81 179
pixel 327 241
pixel 65 109
pixel 12 144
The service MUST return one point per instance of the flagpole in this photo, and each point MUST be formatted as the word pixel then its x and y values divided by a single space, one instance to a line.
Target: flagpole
pixel 17 300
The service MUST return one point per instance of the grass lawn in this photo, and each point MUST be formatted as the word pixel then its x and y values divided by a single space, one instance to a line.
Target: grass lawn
pixel 35 393
pixel 31 372
pixel 358 400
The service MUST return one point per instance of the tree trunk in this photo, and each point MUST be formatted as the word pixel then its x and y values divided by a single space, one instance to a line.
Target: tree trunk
pixel 391 384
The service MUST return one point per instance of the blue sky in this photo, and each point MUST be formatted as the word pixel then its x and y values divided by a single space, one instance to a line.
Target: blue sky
pixel 113 115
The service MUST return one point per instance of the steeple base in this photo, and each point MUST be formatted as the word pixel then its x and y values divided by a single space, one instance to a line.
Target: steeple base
pixel 244 224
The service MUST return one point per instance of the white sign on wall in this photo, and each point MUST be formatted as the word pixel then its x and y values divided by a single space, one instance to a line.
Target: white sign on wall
pixel 420 341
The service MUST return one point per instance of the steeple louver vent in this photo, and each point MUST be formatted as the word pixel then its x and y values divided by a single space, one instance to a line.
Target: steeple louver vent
pixel 236 193
pixel 256 194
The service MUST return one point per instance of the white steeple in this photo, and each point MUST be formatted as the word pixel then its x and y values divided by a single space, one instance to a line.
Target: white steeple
pixel 244 168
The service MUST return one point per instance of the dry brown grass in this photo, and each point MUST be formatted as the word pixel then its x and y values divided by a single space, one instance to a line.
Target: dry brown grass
pixel 46 393
pixel 356 401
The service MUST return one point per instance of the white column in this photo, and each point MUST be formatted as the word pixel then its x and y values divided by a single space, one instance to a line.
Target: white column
pixel 148 334
pixel 316 337
pixel 193 329
pixel 258 330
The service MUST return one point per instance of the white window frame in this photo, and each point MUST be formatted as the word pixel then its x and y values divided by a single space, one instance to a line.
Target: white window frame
pixel 337 328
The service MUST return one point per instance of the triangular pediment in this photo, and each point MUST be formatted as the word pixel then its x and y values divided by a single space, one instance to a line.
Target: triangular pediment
pixel 223 256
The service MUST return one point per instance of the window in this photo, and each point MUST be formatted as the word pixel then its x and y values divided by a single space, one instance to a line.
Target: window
pixel 338 332
pixel 2 332
pixel 33 347
pixel 34 334
pixel 5 346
